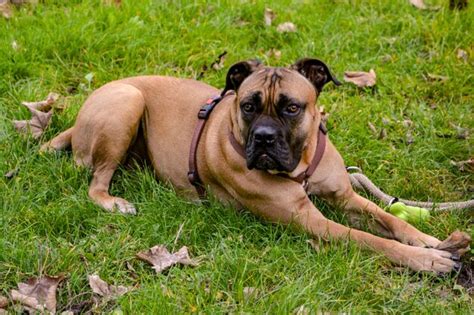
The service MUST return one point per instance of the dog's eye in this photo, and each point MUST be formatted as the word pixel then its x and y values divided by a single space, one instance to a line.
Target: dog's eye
pixel 248 108
pixel 292 109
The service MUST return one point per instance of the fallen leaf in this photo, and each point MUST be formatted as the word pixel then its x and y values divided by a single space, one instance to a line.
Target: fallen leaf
pixel 301 310
pixel 372 127
pixel 219 62
pixel 409 137
pixel 43 105
pixel 12 173
pixel 6 9
pixel 38 294
pixel 418 4
pixel 36 125
pixel 162 259
pixel 407 123
pixel 314 244
pixel 105 290
pixel 462 54
pixel 324 115
pixel 461 133
pixel 269 16
pixel 382 134
pixel 15 46
pixel 360 78
pixel 273 53
pixel 249 292
pixel 467 165
pixel 111 2
pixel 286 27
pixel 436 77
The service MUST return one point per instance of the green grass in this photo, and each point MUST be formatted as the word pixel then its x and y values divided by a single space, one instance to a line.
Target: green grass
pixel 49 225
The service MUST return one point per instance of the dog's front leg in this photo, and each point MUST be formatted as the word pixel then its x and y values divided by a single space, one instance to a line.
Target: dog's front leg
pixel 284 201
pixel 388 224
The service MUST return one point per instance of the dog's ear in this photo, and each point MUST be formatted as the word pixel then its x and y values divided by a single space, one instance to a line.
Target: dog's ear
pixel 238 73
pixel 315 71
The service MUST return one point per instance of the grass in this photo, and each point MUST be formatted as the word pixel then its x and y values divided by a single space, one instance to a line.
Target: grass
pixel 48 224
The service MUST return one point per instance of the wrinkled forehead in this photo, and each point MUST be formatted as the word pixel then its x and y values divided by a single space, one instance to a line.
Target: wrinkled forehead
pixel 272 83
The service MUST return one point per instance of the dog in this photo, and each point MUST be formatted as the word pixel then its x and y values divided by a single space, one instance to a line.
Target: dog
pixel 261 136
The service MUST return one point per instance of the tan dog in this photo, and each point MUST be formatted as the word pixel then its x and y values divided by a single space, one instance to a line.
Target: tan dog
pixel 273 117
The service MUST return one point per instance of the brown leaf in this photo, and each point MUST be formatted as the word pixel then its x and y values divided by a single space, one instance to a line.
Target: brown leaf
pixel 461 133
pixel 6 9
pixel 314 244
pixel 372 127
pixel 457 243
pixel 273 53
pixel 36 125
pixel 162 259
pixel 12 173
pixel 409 137
pixel 111 2
pixel 382 134
pixel 38 294
pixel 467 165
pixel 219 62
pixel 249 292
pixel 360 78
pixel 462 54
pixel 436 77
pixel 418 4
pixel 105 290
pixel 269 16
pixel 286 27
pixel 43 105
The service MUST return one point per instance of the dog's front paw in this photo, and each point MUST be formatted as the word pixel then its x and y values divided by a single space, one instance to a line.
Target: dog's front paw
pixel 123 206
pixel 434 260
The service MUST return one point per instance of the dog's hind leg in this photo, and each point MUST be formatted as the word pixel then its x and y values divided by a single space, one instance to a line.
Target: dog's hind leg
pixel 104 131
pixel 60 142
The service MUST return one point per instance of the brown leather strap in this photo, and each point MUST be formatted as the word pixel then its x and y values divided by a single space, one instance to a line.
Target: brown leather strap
pixel 203 115
pixel 303 177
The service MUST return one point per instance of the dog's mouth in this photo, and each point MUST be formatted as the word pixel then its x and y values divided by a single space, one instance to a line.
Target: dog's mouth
pixel 266 160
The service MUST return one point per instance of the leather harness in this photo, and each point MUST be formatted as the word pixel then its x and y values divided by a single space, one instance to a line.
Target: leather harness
pixel 203 115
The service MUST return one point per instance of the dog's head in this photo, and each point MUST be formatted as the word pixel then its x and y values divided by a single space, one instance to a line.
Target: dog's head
pixel 275 110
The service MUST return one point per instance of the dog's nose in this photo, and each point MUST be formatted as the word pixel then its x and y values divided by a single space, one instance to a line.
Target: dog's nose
pixel 265 135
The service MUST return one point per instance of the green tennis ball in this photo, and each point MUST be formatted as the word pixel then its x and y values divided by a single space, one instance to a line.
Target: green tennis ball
pixel 409 213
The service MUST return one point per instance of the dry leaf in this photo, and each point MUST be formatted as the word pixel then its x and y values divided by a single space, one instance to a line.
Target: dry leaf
pixel 38 294
pixel 6 9
pixel 273 53
pixel 286 27
pixel 407 123
pixel 15 46
pixel 360 78
pixel 269 16
pixel 324 115
pixel 409 137
pixel 12 173
pixel 162 259
pixel 418 4
pixel 43 105
pixel 467 165
pixel 462 54
pixel 249 292
pixel 436 77
pixel 461 133
pixel 111 2
pixel 314 244
pixel 382 134
pixel 372 127
pixel 302 310
pixel 108 291
pixel 36 125
pixel 219 62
